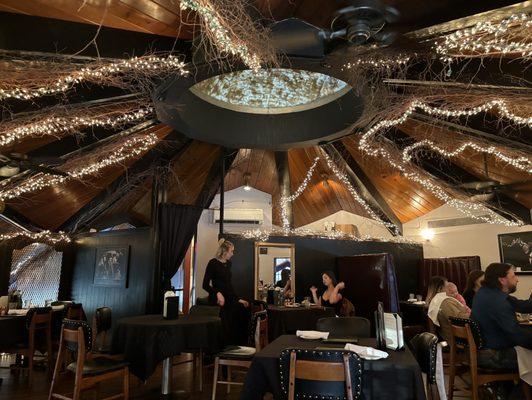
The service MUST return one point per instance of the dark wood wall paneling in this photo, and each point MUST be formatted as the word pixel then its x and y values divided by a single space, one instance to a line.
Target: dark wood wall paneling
pixel 313 256
pixel 124 301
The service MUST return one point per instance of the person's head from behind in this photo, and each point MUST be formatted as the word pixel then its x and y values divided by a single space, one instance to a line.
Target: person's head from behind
pixel 285 274
pixel 329 278
pixel 501 276
pixel 225 249
pixel 436 285
pixel 451 289
pixel 474 280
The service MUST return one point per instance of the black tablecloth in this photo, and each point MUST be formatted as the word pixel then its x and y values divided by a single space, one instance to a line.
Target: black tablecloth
pixel 397 377
pixel 287 320
pixel 413 314
pixel 13 329
pixel 147 340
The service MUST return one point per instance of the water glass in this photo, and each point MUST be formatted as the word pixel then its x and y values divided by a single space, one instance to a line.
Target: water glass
pixel 419 297
pixel 411 296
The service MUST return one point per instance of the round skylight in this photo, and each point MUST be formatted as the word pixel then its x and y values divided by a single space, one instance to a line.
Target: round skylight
pixel 270 91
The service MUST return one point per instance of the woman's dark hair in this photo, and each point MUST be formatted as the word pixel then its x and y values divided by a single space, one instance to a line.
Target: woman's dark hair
pixel 493 273
pixel 331 275
pixel 285 274
pixel 436 285
pixel 471 279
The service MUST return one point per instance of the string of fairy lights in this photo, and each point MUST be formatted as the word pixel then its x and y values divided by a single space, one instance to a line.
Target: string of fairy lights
pixel 152 64
pixel 128 150
pixel 58 126
pixel 522 163
pixel 384 62
pixel 220 34
pixel 486 37
pixel 43 236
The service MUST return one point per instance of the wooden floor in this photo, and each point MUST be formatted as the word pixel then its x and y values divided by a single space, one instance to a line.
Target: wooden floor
pixel 14 388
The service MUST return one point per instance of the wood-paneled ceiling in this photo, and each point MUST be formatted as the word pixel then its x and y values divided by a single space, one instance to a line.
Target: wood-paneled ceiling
pixel 190 168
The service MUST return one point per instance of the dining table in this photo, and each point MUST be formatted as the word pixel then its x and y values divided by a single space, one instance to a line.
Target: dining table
pixel 283 320
pixel 397 377
pixel 147 340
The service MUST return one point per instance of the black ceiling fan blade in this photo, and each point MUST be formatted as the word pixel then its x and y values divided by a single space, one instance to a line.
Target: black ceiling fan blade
pixel 295 37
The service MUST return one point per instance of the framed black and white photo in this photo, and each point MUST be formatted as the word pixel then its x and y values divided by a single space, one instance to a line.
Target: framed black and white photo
pixel 516 249
pixel 111 266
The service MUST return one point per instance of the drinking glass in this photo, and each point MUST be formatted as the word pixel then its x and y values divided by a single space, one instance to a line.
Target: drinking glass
pixel 419 297
pixel 411 296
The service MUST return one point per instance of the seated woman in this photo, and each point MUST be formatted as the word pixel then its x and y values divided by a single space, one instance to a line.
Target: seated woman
pixel 473 283
pixel 452 291
pixel 331 297
pixel 285 283
pixel 441 306
pixel 235 312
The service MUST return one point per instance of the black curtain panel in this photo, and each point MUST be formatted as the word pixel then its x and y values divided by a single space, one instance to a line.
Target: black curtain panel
pixel 177 225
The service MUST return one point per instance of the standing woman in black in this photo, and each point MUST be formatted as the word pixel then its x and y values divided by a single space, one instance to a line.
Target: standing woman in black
pixel 235 312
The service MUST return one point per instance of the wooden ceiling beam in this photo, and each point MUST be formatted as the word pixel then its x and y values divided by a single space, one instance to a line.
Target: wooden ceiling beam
pixel 361 181
pixel 283 179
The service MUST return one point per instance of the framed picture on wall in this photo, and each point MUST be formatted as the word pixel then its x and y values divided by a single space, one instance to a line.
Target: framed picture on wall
pixel 111 266
pixel 516 249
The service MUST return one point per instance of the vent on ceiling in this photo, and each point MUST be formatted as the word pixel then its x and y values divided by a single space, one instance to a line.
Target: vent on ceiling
pixel 253 216
pixel 446 223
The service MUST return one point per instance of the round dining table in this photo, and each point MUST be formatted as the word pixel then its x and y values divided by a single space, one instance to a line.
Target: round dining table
pixel 147 340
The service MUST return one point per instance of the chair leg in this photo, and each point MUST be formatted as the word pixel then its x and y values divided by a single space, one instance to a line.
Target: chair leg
pixel 474 384
pixel 228 379
pixel 215 380
pixel 452 373
pixel 200 365
pixel 126 383
pixel 526 390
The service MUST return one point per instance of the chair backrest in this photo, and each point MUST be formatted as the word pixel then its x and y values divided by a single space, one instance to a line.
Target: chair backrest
pixel 207 311
pixel 258 305
pixel 76 336
pixel 258 332
pixel 462 336
pixel 39 321
pixel 320 374
pixel 347 309
pixel 75 311
pixel 424 347
pixel 345 326
pixel 101 324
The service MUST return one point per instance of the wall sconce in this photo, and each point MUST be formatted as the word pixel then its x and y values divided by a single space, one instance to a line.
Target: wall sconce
pixel 247 176
pixel 427 234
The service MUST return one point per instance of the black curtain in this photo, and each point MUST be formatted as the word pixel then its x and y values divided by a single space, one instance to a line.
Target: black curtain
pixel 177 226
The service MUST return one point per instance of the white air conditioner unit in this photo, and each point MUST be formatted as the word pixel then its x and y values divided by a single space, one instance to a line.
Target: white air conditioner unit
pixel 450 222
pixel 253 216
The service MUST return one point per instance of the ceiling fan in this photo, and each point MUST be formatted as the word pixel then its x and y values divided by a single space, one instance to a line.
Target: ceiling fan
pixel 13 163
pixel 362 22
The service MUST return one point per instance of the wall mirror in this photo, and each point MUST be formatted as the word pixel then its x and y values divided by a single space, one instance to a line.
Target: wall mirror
pixel 271 259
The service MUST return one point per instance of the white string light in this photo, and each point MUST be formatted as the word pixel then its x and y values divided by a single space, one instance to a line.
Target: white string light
pixel 284 200
pixel 389 62
pixel 44 236
pixel 443 112
pixel 484 38
pixel 264 235
pixel 220 34
pixel 58 126
pixel 342 178
pixel 130 149
pixel 522 163
pixel 64 83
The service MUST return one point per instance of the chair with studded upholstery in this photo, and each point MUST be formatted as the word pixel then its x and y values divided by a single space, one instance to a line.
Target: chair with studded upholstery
pixel 424 347
pixel 320 374
pixel 76 340
pixel 241 356
pixel 39 337
pixel 466 334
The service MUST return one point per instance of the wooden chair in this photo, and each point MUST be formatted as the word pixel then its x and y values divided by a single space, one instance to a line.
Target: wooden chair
pixel 101 325
pixel 39 325
pixel 89 372
pixel 345 326
pixel 424 347
pixel 315 374
pixel 74 311
pixel 465 332
pixel 241 356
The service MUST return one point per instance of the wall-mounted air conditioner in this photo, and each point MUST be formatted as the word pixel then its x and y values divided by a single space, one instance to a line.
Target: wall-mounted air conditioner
pixel 449 222
pixel 253 216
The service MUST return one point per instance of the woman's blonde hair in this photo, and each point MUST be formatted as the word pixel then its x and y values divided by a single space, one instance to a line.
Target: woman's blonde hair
pixel 223 247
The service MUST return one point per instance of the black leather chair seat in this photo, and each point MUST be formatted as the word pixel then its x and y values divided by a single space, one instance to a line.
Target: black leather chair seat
pixel 237 352
pixel 97 366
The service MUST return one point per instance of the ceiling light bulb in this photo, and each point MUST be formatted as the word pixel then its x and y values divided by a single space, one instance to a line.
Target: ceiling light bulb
pixel 247 188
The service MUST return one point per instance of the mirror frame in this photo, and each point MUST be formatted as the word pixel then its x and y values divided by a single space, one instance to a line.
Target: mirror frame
pixel 290 246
